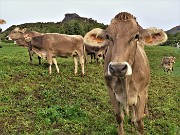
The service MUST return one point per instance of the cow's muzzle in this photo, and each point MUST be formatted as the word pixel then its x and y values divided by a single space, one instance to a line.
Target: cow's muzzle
pixel 8 38
pixel 119 69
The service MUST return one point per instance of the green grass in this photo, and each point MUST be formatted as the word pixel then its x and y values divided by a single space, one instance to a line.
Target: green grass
pixel 33 102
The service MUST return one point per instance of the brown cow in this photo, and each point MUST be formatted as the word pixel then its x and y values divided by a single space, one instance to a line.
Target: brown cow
pixel 52 44
pixel 127 72
pixel 167 63
pixel 16 35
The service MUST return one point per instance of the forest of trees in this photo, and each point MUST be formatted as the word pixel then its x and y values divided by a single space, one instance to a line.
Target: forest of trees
pixel 173 39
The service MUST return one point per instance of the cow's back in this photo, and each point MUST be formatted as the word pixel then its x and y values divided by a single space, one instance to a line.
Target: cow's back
pixel 61 44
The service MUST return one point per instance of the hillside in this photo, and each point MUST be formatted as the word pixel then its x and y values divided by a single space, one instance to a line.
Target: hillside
pixel 75 24
pixel 71 24
pixel 174 30
pixel 173 36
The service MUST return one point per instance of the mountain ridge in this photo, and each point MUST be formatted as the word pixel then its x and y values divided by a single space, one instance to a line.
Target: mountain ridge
pixel 174 30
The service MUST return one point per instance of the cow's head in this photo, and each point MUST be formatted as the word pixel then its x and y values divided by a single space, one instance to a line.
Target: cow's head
pixel 27 38
pixel 172 59
pixel 123 35
pixel 16 34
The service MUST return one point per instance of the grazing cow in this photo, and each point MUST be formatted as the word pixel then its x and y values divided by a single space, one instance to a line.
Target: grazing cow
pixel 98 48
pixel 16 36
pixel 51 45
pixel 126 69
pixel 167 63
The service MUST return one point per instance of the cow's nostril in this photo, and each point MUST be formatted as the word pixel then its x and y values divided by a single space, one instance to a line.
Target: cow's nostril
pixel 124 68
pixel 111 69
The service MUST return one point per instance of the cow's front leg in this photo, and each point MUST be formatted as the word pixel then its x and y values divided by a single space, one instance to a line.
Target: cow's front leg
pixel 49 59
pixel 75 64
pixel 30 55
pixel 82 65
pixel 55 63
pixel 139 113
pixel 39 58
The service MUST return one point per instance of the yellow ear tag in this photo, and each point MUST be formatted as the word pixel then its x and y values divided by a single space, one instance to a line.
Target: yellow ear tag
pixel 148 39
pixel 96 39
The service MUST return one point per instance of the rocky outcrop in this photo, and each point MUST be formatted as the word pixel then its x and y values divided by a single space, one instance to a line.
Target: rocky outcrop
pixel 74 16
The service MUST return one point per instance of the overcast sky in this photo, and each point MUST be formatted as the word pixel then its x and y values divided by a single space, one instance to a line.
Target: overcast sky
pixel 163 14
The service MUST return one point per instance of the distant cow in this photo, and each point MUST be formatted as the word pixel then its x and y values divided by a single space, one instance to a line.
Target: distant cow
pixel 16 36
pixel 177 45
pixel 167 63
pixel 127 72
pixel 51 45
pixel 2 21
pixel 95 49
pixel 97 53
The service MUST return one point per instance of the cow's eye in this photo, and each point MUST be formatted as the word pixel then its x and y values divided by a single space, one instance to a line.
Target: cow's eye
pixel 109 38
pixel 136 37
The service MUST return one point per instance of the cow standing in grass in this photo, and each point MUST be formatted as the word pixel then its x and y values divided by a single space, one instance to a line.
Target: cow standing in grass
pixel 127 72
pixel 167 63
pixel 16 36
pixel 58 45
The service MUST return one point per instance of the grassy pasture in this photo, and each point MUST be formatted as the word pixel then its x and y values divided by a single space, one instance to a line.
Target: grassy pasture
pixel 35 103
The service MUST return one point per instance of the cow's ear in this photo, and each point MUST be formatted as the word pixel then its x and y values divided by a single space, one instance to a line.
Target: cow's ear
pixel 95 37
pixel 153 36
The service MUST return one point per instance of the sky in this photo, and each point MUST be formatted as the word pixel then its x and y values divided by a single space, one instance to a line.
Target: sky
pixel 164 14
